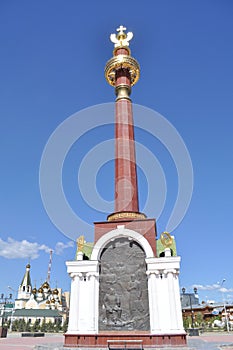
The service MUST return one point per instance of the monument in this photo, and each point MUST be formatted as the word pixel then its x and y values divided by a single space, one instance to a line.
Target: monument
pixel 126 290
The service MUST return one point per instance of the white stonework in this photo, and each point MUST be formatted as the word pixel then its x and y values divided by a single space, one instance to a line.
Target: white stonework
pixel 84 296
pixel 164 295
pixel 163 288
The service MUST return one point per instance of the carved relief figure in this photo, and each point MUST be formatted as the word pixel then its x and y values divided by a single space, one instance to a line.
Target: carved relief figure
pixel 112 306
pixel 135 304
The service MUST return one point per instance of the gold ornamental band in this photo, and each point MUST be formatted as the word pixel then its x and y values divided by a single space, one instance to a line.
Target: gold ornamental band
pixel 122 61
pixel 126 215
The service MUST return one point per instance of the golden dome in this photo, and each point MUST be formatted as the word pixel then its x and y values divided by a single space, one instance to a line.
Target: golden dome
pixel 34 291
pixel 40 290
pixel 28 266
pixel 47 302
pixel 55 291
pixel 45 285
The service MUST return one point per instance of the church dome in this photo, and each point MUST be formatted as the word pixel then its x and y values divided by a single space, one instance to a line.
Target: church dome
pixel 28 266
pixel 55 291
pixel 45 285
pixel 34 291
pixel 40 290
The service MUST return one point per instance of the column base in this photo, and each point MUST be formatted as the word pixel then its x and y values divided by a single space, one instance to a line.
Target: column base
pixel 145 340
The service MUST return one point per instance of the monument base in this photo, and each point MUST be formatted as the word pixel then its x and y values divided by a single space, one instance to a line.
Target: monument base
pixel 124 340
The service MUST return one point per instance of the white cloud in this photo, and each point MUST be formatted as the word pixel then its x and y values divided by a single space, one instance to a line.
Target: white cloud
pixel 61 246
pixel 214 286
pixel 12 249
pixel 207 286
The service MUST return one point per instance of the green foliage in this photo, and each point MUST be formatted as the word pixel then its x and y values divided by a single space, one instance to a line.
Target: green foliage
pixel 28 326
pixel 187 321
pixel 15 325
pixel 65 326
pixel 22 325
pixel 36 326
pixel 198 319
pixel 43 327
pixel 57 326
pixel 50 327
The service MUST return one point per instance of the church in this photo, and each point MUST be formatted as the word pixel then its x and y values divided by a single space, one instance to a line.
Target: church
pixel 42 305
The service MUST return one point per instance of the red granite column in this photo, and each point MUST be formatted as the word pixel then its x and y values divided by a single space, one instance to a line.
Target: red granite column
pixel 126 190
pixel 122 71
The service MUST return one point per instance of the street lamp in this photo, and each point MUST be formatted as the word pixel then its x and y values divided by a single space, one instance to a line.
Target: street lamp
pixel 224 306
pixel 190 303
pixel 4 301
pixel 13 309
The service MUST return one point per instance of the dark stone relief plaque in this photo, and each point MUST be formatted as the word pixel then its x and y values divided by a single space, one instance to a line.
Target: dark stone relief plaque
pixel 123 296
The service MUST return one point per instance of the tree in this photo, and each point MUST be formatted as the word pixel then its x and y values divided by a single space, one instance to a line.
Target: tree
pixel 22 325
pixel 43 326
pixel 57 325
pixel 36 326
pixel 50 327
pixel 28 326
pixel 65 326
pixel 15 325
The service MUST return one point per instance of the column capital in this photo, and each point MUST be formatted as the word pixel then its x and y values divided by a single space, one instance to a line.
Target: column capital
pixel 75 274
pixel 171 271
pixel 89 275
pixel 153 272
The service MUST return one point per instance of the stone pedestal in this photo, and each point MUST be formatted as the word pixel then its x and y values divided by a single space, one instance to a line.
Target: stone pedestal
pixel 89 323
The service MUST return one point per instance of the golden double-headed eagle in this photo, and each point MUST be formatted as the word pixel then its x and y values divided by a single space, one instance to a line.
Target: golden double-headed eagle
pixel 121 39
pixel 80 243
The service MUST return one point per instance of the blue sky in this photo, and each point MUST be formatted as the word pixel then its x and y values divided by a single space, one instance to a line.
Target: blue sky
pixel 52 65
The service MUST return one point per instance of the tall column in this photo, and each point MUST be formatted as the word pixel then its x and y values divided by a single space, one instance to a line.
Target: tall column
pixel 126 190
pixel 122 71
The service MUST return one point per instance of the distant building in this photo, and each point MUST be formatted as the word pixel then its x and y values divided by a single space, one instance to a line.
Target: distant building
pixel 42 304
pixel 189 299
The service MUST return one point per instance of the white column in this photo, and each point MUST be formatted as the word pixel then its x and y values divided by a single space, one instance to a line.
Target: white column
pixel 164 295
pixel 163 302
pixel 179 317
pixel 172 302
pixel 83 310
pixel 93 284
pixel 153 300
pixel 83 318
pixel 73 314
pixel 176 322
